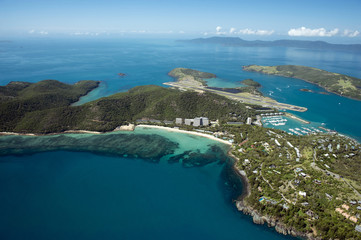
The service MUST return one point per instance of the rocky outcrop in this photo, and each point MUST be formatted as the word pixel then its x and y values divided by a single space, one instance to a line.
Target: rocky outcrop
pixel 272 222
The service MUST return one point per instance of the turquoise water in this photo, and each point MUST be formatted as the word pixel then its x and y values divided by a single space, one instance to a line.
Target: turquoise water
pixel 149 61
pixel 143 185
pixel 56 194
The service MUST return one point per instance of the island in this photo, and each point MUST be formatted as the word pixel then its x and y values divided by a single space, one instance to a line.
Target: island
pixel 251 83
pixel 333 82
pixel 306 186
pixel 239 42
pixel 122 74
pixel 306 90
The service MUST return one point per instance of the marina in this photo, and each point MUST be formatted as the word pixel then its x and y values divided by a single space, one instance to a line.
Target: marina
pixel 290 124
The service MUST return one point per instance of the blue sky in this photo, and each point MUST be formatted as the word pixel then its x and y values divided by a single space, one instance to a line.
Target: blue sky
pixel 258 18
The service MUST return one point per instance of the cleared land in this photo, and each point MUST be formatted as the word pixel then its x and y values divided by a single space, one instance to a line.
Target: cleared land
pixel 188 79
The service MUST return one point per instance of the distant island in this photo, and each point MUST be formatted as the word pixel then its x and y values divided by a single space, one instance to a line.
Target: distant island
pixel 238 42
pixel 333 82
pixel 122 74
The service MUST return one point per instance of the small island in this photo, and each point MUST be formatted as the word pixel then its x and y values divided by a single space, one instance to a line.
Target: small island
pixel 306 90
pixel 122 74
pixel 340 84
pixel 251 83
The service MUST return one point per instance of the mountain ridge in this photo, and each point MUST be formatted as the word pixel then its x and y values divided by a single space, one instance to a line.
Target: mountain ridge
pixel 239 42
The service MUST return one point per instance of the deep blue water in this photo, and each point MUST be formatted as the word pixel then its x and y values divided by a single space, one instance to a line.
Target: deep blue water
pixel 79 195
pixel 149 61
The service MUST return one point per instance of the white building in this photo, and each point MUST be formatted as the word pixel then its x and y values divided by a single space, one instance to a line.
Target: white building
pixel 303 194
pixel 188 121
pixel 179 121
pixel 249 121
pixel 197 122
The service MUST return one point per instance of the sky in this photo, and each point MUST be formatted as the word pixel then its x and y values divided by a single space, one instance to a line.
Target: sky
pixel 321 19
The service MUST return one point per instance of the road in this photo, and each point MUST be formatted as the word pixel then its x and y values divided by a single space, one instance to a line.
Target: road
pixel 251 100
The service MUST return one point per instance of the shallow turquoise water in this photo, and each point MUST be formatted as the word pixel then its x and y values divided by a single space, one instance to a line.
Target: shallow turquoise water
pixel 124 186
pixel 80 195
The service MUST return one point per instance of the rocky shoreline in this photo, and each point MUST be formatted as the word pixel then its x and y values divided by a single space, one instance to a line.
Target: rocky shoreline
pixel 258 218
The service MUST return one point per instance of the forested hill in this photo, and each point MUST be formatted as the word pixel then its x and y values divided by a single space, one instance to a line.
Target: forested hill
pixel 238 42
pixel 105 114
pixel 334 82
pixel 18 99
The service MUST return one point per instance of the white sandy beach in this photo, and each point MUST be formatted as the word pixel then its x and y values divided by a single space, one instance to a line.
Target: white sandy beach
pixel 187 132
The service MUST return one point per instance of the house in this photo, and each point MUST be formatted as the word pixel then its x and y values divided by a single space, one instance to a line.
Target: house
pixel 179 120
pixel 353 219
pixel 358 228
pixel 305 204
pixel 249 121
pixel 301 193
pixel 345 206
pixel 310 213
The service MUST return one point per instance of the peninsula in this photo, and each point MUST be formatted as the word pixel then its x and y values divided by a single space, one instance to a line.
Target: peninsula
pixel 333 82
pixel 189 79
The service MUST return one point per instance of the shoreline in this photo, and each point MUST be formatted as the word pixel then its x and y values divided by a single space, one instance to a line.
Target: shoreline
pixel 187 132
pixel 258 218
pixel 124 128
pixel 290 115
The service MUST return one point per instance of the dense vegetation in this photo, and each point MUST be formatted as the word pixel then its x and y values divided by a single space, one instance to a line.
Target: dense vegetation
pixel 48 110
pixel 19 100
pixel 251 83
pixel 337 83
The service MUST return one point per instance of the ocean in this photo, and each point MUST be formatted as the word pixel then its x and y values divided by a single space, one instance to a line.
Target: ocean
pixel 148 184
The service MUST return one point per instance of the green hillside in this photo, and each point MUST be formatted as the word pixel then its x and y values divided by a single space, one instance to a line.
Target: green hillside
pixel 47 113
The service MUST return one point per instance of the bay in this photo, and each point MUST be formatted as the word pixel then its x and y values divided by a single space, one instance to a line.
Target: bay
pixel 53 194
pixel 90 192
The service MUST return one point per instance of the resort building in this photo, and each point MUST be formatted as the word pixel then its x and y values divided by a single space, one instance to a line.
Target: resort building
pixel 188 121
pixel 179 120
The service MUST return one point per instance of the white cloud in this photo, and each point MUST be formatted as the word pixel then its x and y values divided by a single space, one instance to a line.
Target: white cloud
pixel 219 32
pixel 43 33
pixel 181 32
pixel 307 32
pixel 349 33
pixel 248 31
pixel 232 30
pixel 32 31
